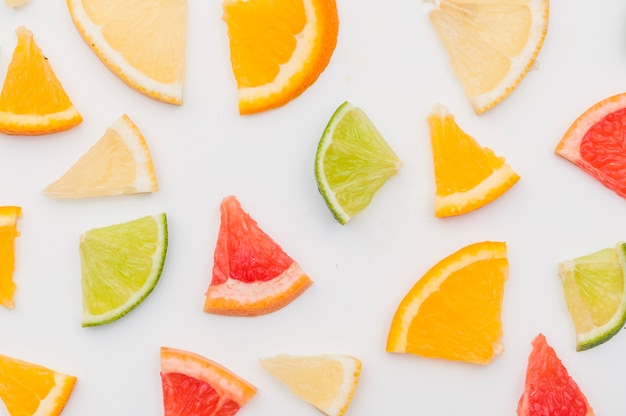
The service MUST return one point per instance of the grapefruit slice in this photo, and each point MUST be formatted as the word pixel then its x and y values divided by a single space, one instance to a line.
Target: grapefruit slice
pixel 196 386
pixel 8 232
pixel 252 275
pixel 549 389
pixel 595 142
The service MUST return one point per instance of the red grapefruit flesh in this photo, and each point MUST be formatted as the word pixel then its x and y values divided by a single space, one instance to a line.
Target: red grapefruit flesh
pixel 252 275
pixel 595 142
pixel 196 386
pixel 549 389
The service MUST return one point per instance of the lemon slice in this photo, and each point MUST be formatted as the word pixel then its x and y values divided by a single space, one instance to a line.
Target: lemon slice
pixel 121 265
pixel 353 161
pixel 326 381
pixel 595 295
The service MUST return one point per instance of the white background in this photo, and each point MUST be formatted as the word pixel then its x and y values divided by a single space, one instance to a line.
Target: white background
pixel 389 62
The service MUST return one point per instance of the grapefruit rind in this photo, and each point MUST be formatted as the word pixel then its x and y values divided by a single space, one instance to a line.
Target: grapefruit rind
pixel 257 298
pixel 598 334
pixel 397 340
pixel 196 366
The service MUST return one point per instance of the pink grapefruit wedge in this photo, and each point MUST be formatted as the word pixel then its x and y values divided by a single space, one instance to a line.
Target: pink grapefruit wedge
pixel 252 275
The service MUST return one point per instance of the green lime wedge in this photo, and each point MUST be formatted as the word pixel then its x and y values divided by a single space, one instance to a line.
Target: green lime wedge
pixel 353 161
pixel 595 294
pixel 121 264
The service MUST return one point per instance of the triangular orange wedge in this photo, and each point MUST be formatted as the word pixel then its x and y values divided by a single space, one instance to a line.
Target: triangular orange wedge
pixel 467 175
pixel 8 232
pixel 29 389
pixel 454 311
pixel 278 48
pixel 33 100
pixel 118 163
pixel 143 42
pixel 193 385
pixel 252 275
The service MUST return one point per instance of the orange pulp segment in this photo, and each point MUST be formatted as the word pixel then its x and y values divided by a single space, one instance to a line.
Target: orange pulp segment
pixel 491 44
pixel 33 101
pixel 143 42
pixel 8 232
pixel 252 275
pixel 193 385
pixel 454 311
pixel 278 48
pixel 595 143
pixel 467 175
pixel 118 163
pixel 29 389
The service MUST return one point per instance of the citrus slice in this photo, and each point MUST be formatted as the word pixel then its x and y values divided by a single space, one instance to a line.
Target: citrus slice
pixel 326 381
pixel 143 42
pixel 118 163
pixel 15 3
pixel 454 311
pixel 549 389
pixel 121 265
pixel 196 386
pixel 595 293
pixel 278 48
pixel 595 142
pixel 33 101
pixel 8 232
pixel 352 163
pixel 491 44
pixel 252 275
pixel 467 175
pixel 28 389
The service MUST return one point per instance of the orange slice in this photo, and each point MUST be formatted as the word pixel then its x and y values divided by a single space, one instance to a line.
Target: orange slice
pixel 595 143
pixel 118 163
pixel 278 48
pixel 252 275
pixel 196 386
pixel 143 42
pixel 454 311
pixel 29 389
pixel 326 381
pixel 491 44
pixel 32 100
pixel 8 232
pixel 467 175
pixel 549 389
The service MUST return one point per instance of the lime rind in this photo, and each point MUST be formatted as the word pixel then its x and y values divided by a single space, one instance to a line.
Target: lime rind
pixel 597 265
pixel 353 164
pixel 110 257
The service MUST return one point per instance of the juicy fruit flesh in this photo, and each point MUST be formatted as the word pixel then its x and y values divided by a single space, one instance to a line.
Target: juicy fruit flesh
pixel 245 252
pixel 491 45
pixel 602 149
pixel 184 395
pixel 549 389
pixel 121 264
pixel 8 233
pixel 454 310
pixel 353 162
pixel 595 295
pixel 327 381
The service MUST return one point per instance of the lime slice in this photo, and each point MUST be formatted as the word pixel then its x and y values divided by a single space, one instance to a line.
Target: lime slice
pixel 594 292
pixel 353 161
pixel 121 265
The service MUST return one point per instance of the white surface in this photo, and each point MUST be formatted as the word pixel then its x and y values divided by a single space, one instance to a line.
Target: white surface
pixel 389 62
